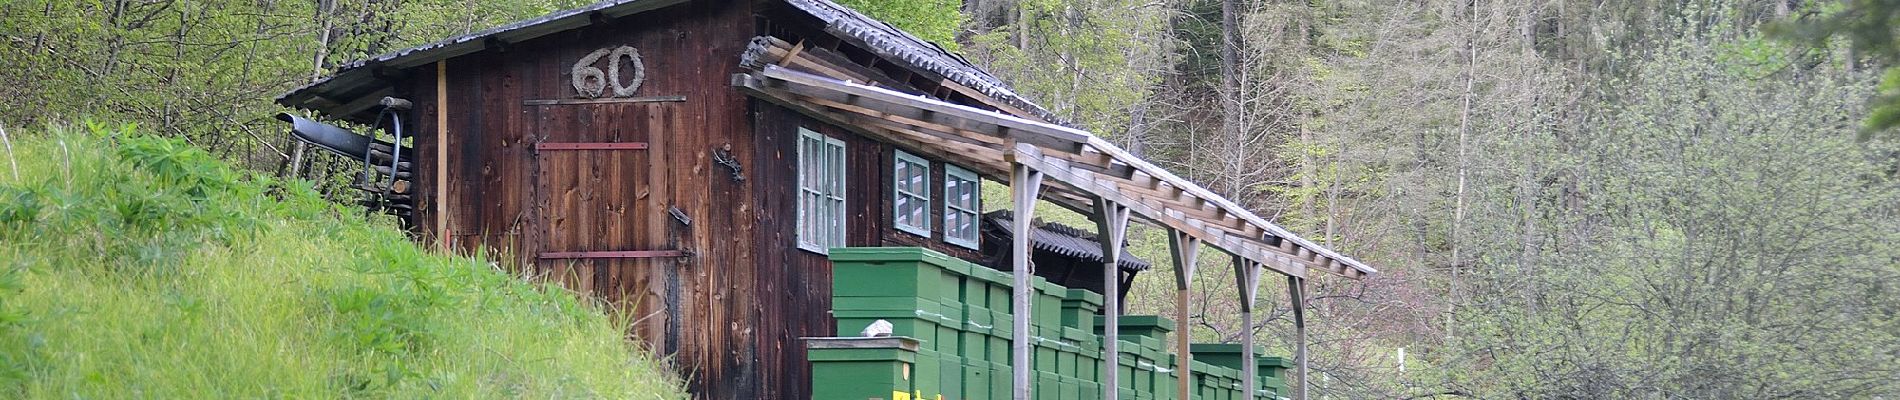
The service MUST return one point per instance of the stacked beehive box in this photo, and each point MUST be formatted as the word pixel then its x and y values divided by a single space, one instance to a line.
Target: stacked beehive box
pixel 960 315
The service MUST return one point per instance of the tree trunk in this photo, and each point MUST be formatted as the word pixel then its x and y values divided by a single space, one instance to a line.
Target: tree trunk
pixel 1464 164
pixel 1231 112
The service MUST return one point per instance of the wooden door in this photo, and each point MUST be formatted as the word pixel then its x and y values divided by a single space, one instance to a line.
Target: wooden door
pixel 603 228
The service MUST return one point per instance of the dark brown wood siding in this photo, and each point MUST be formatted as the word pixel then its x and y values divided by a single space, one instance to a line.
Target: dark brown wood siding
pixel 731 313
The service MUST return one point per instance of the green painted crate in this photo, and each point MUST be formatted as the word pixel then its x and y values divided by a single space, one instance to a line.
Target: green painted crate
pixel 891 272
pixel 1047 385
pixel 1046 303
pixel 844 368
pixel 927 329
pixel 1079 307
pixel 928 374
pixel 950 376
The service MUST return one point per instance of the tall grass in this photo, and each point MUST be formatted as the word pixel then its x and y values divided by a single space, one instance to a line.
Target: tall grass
pixel 138 267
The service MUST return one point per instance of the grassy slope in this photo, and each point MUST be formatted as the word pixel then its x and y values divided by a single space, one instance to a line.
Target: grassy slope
pixel 133 266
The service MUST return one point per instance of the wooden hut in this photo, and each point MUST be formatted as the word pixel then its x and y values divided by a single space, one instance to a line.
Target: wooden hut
pixel 692 162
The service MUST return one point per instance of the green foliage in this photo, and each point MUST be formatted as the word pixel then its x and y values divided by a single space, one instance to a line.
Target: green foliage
pixel 934 20
pixel 1091 61
pixel 206 70
pixel 1718 236
pixel 1868 27
pixel 137 266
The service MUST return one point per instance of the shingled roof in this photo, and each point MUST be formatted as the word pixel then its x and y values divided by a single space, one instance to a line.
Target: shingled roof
pixel 351 92
pixel 894 44
pixel 1063 239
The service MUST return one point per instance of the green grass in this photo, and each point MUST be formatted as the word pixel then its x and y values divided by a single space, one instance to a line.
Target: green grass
pixel 138 267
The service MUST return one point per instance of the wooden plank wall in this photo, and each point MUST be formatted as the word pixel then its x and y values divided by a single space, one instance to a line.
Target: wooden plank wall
pixel 723 313
pixel 731 314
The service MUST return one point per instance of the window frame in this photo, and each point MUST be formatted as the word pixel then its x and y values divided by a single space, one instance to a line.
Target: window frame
pixel 974 212
pixel 822 202
pixel 898 193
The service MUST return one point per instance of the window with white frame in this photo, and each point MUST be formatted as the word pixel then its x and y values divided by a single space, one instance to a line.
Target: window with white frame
pixel 910 194
pixel 962 202
pixel 821 183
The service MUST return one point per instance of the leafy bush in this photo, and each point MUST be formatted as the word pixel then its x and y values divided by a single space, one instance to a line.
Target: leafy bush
pixel 136 266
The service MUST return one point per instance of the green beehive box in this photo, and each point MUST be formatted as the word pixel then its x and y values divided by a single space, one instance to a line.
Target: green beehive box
pixel 886 303
pixel 975 346
pixel 978 319
pixel 1082 338
pixel 996 285
pixel 1071 388
pixel 1047 304
pixel 1126 366
pixel 1002 383
pixel 928 374
pixel 1166 382
pixel 1270 375
pixel 903 323
pixel 1067 363
pixel 1089 366
pixel 1079 306
pixel 974 291
pixel 1002 323
pixel 1044 357
pixel 888 272
pixel 1221 354
pixel 1149 326
pixel 1047 385
pixel 844 368
pixel 950 376
pixel 1273 373
pixel 1153 349
pixel 976 380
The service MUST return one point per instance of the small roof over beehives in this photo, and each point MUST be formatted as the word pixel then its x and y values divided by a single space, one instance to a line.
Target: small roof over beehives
pixel 1065 240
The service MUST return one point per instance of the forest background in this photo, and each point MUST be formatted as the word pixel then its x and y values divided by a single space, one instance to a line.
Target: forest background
pixel 1566 198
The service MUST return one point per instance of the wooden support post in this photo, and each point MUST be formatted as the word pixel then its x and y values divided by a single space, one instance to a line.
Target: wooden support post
pixel 441 209
pixel 1024 185
pixel 1111 220
pixel 1186 251
pixel 1247 277
pixel 1296 290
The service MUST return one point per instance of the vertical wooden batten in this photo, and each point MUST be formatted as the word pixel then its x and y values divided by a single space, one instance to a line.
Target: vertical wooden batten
pixel 441 208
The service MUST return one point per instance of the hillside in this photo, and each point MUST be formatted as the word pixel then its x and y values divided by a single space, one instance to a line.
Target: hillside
pixel 138 267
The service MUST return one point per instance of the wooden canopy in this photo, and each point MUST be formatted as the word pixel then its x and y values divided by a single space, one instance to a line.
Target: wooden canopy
pixel 1080 166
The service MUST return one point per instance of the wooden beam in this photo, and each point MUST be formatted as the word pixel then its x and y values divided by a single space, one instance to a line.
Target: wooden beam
pixel 1058 170
pixel 1296 290
pixel 1001 125
pixel 557 255
pixel 363 103
pixel 572 102
pixel 547 146
pixel 441 194
pixel 1111 221
pixel 1186 253
pixel 1024 183
pixel 1247 277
